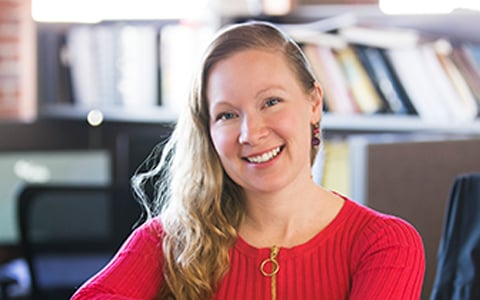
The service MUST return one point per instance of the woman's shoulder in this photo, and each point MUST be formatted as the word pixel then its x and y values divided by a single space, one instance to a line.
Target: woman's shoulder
pixel 153 225
pixel 386 246
pixel 372 224
pixel 148 232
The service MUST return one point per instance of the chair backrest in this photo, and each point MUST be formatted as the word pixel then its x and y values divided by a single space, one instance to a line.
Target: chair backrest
pixel 67 235
pixel 458 270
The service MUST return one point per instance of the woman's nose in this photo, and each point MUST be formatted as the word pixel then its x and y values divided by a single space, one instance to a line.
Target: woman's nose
pixel 253 129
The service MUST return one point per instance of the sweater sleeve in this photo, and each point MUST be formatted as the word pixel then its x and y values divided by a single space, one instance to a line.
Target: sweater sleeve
pixel 390 262
pixel 133 273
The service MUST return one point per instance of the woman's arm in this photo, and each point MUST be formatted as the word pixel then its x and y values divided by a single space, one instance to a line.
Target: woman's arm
pixel 134 273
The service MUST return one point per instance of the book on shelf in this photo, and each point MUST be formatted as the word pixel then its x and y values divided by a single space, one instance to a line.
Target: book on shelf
pixel 107 41
pixel 336 166
pixel 360 83
pixel 83 65
pixel 467 67
pixel 474 50
pixel 337 94
pixel 114 65
pixel 137 64
pixel 54 82
pixel 409 67
pixel 451 101
pixel 181 47
pixel 384 80
pixel 467 105
pixel 428 85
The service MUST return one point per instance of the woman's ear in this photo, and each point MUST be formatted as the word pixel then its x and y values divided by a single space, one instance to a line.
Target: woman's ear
pixel 317 103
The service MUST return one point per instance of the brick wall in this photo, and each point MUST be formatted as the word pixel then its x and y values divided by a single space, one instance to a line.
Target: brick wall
pixel 17 61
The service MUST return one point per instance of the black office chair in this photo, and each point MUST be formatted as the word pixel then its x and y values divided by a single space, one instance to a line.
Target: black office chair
pixel 5 282
pixel 67 236
pixel 458 269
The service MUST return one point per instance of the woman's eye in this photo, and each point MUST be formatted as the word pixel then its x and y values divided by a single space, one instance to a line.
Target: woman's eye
pixel 272 102
pixel 225 116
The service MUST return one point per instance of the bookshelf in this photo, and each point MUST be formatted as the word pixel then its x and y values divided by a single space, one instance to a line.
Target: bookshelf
pixel 131 70
pixel 458 26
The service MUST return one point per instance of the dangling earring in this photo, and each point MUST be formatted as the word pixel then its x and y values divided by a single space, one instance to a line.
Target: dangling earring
pixel 316 134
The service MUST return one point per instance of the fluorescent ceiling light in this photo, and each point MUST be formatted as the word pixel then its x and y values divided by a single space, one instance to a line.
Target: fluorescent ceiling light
pixel 426 6
pixel 91 11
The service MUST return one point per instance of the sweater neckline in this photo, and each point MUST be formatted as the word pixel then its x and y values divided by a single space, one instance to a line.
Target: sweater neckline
pixel 247 249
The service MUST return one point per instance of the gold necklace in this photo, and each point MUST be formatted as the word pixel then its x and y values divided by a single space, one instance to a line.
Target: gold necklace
pixel 274 269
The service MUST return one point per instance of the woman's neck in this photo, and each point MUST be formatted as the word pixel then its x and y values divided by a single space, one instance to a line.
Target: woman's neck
pixel 288 218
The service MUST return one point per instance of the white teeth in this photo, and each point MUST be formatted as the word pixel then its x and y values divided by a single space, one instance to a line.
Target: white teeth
pixel 264 157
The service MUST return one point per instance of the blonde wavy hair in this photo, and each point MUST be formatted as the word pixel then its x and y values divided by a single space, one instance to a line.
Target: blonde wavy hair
pixel 199 206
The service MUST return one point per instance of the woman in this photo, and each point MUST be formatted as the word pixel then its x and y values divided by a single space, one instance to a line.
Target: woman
pixel 238 215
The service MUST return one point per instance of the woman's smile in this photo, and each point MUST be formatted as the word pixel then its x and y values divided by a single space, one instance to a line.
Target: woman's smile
pixel 264 157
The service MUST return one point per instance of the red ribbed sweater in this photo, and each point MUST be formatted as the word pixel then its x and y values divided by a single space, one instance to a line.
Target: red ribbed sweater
pixel 360 255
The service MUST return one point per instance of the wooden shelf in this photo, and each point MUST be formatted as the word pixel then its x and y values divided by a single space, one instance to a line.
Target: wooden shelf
pixel 113 114
pixel 330 122
pixel 393 123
